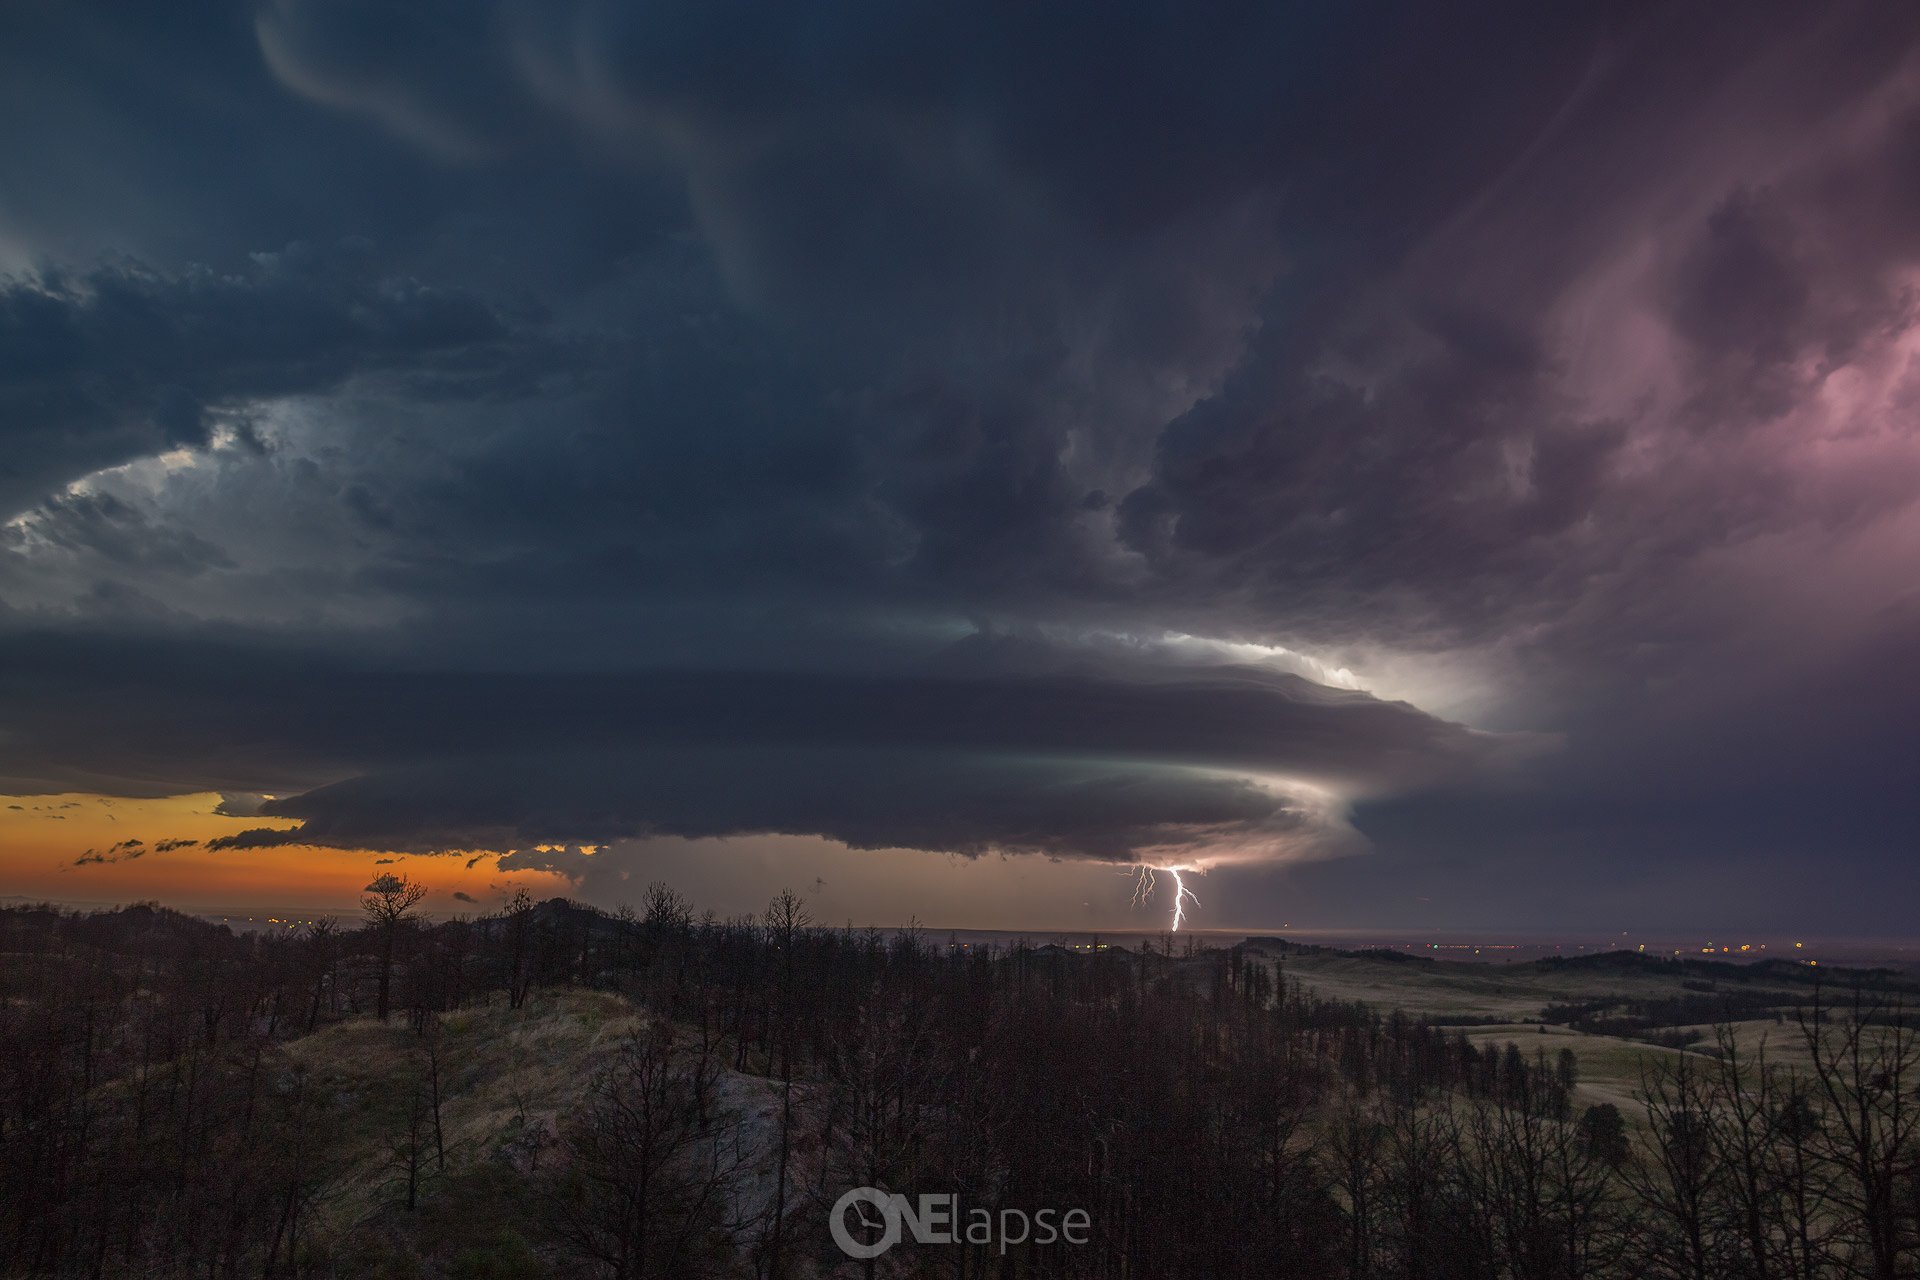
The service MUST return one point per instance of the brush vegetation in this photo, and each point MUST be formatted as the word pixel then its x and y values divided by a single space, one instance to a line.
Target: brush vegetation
pixel 551 1090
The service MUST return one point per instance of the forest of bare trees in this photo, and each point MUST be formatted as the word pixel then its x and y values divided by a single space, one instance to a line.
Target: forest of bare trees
pixel 1211 1117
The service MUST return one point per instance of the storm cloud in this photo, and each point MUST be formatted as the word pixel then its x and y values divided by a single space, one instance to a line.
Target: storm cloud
pixel 994 744
pixel 1221 434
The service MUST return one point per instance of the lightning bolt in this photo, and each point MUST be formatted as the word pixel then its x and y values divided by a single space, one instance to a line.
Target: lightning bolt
pixel 1142 884
pixel 1145 880
pixel 1180 894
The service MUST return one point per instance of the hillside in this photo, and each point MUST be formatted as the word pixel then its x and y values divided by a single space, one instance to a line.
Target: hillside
pixel 558 1092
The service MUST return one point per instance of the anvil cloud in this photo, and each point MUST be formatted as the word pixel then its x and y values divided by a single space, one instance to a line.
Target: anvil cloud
pixel 1481 435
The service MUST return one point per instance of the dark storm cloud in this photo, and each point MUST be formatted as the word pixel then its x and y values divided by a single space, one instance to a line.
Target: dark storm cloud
pixel 866 798
pixel 251 838
pixel 1461 497
pixel 100 367
pixel 1426 455
pixel 1099 758
pixel 108 526
pixel 982 205
pixel 1005 230
pixel 1542 366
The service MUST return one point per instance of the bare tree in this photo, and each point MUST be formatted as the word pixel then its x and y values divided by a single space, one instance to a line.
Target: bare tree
pixel 518 914
pixel 388 904
pixel 1355 1161
pixel 1865 1063
pixel 432 1069
pixel 1678 1184
pixel 407 1146
pixel 323 951
pixel 787 920
pixel 648 1181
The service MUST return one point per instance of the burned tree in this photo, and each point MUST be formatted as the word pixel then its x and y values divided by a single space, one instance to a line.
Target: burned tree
pixel 389 904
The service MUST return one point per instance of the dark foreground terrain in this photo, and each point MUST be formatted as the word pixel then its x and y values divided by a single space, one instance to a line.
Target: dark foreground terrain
pixel 553 1091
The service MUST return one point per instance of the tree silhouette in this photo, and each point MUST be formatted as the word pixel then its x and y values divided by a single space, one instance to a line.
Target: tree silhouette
pixel 388 903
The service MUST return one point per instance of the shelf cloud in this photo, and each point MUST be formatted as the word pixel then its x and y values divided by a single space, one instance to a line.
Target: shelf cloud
pixel 1225 436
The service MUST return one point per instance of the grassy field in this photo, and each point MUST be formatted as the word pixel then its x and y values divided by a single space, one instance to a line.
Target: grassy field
pixel 1610 1068
pixel 505 1076
pixel 1455 989
pixel 1506 1003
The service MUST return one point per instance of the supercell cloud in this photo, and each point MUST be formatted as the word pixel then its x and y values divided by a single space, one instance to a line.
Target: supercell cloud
pixel 1216 434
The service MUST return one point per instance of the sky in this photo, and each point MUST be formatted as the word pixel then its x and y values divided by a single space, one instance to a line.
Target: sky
pixel 1404 466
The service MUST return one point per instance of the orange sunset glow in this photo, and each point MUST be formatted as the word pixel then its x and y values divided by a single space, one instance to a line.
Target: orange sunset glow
pixel 45 843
